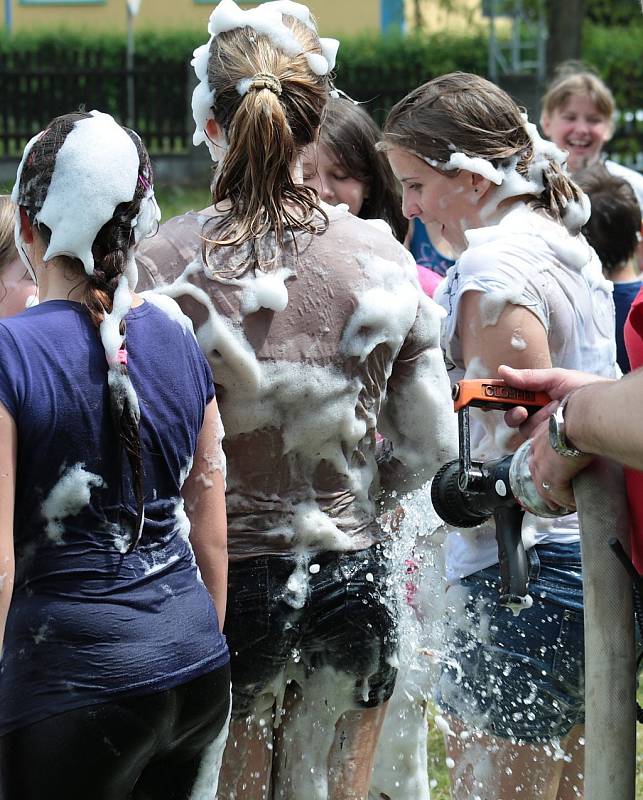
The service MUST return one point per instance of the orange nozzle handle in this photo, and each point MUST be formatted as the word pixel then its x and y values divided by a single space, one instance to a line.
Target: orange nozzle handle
pixel 492 393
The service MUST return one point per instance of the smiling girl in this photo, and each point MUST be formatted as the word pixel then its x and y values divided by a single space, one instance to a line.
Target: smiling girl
pixel 577 115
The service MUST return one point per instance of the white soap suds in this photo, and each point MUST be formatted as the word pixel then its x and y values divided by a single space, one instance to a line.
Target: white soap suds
pixel 68 497
pixel 170 307
pixel 517 342
pixel 181 520
pixel 204 480
pixel 313 529
pixel 476 164
pixel 216 460
pixel 492 304
pixel 380 225
pixel 264 290
pixel 267 20
pixel 110 326
pixel 385 312
pixel 95 170
pixel 576 214
pixel 42 633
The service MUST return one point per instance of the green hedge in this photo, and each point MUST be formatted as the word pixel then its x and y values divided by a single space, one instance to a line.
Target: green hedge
pixel 363 62
pixel 372 68
pixel 617 54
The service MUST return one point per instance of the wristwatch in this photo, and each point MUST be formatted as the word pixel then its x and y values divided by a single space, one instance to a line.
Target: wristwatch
pixel 557 438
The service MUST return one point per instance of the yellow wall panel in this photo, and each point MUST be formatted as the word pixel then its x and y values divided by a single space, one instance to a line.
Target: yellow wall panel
pixel 333 16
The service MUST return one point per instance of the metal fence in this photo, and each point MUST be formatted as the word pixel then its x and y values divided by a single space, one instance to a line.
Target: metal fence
pixel 32 94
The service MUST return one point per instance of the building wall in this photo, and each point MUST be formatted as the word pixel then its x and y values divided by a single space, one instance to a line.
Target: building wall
pixel 436 15
pixel 333 16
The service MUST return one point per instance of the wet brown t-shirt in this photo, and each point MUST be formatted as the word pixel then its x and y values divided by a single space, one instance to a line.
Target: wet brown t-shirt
pixel 310 357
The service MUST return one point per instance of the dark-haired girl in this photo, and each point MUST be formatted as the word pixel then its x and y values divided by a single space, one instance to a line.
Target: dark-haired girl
pixel 115 677
pixel 345 166
pixel 527 290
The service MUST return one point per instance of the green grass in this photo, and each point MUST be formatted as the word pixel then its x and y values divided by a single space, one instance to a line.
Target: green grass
pixel 439 772
pixel 437 768
pixel 175 200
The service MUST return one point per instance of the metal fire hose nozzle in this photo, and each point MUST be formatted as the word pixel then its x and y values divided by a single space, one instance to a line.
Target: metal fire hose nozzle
pixel 466 493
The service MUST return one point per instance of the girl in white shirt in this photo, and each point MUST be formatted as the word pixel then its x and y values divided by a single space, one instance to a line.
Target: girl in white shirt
pixel 528 290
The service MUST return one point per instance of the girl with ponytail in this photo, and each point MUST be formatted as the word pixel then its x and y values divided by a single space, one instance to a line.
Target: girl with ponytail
pixel 527 290
pixel 105 404
pixel 319 335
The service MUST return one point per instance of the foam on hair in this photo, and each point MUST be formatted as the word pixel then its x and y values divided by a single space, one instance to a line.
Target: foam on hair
pixel 457 119
pixel 261 131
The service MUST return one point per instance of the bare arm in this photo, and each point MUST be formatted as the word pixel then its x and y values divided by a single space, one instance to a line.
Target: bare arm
pixel 8 450
pixel 493 343
pixel 485 347
pixel 204 495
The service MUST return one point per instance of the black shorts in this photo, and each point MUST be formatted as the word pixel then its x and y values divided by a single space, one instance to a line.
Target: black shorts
pixel 331 609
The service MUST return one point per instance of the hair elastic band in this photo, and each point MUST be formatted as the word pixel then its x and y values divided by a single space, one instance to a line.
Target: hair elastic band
pixel 121 356
pixel 265 80
pixel 144 182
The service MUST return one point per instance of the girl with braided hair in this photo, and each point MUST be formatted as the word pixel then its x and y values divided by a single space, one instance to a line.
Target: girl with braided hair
pixel 319 335
pixel 527 290
pixel 112 516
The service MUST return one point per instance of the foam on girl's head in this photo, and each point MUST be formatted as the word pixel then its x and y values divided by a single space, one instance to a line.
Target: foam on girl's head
pixel 95 170
pixel 267 20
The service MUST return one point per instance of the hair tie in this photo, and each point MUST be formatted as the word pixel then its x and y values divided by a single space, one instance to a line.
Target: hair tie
pixel 265 80
pixel 144 182
pixel 121 356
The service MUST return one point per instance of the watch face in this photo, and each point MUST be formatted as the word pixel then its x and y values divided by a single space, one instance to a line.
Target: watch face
pixel 557 438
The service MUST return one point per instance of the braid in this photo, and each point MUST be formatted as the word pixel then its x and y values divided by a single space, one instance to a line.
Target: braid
pixel 101 296
pixel 98 299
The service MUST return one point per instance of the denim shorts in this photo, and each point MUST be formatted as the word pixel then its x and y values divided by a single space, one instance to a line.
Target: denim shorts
pixel 325 610
pixel 518 677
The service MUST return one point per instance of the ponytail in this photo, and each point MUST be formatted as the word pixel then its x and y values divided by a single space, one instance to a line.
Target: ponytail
pixel 256 177
pixel 558 193
pixel 268 104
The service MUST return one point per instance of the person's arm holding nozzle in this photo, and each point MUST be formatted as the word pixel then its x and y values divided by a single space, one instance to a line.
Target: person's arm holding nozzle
pixel 598 419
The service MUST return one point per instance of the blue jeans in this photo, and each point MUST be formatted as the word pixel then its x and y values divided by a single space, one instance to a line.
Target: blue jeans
pixel 518 677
